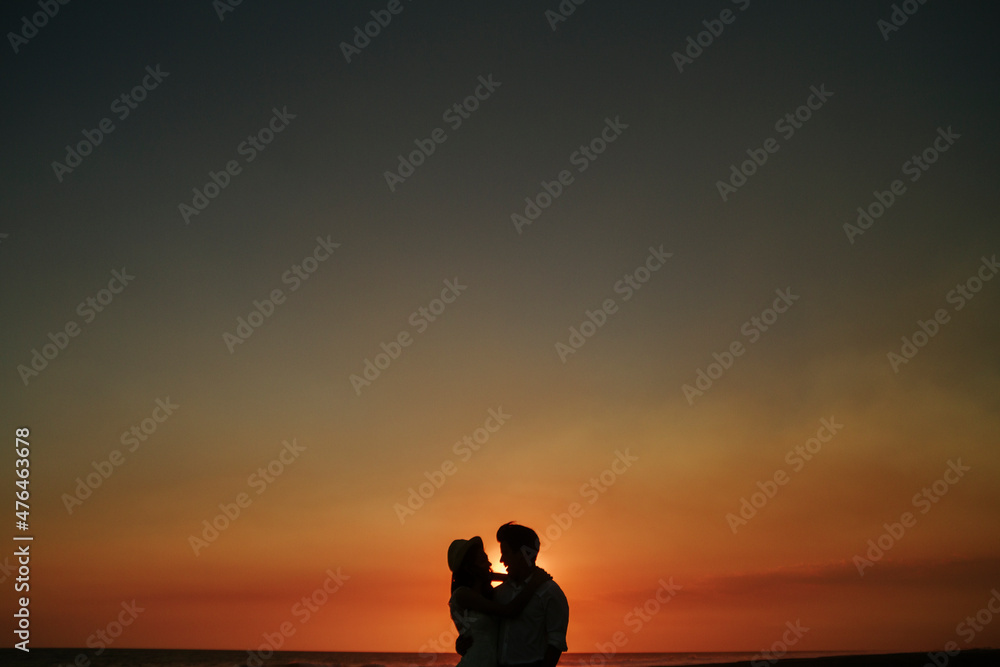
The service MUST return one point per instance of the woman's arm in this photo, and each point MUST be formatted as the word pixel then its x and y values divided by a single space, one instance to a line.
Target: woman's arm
pixel 470 599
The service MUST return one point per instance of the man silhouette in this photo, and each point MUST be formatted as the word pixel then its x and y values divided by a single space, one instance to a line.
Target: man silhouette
pixel 536 637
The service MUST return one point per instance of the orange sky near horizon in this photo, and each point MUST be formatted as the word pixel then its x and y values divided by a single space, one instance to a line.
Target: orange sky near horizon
pixel 658 516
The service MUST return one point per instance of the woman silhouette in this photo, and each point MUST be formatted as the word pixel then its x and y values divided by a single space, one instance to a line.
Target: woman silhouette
pixel 473 609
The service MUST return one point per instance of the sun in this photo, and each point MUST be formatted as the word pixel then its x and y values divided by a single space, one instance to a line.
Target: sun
pixel 546 561
pixel 494 555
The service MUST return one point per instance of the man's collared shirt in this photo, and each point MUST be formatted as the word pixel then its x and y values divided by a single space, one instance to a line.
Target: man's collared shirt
pixel 542 623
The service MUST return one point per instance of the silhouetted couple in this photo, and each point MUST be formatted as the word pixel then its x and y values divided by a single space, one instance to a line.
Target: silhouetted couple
pixel 520 623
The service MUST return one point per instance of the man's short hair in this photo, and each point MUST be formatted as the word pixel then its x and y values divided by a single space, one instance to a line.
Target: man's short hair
pixel 522 538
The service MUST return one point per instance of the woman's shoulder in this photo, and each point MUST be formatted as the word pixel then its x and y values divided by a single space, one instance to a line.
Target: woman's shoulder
pixel 462 592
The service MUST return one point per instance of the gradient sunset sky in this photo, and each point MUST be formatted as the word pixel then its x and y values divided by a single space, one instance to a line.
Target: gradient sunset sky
pixel 632 479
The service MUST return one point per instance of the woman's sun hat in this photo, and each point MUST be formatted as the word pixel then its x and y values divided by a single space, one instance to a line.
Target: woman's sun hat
pixel 458 549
